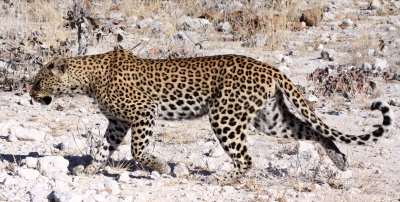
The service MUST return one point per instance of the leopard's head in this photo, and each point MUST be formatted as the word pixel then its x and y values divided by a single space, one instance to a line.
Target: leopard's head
pixel 51 81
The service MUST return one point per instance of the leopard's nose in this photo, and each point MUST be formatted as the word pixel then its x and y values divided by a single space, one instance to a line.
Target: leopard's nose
pixel 47 100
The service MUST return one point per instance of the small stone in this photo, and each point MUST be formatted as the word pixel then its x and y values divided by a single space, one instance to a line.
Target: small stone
pixel 124 177
pixel 108 169
pixel 49 164
pixel 396 75
pixel 370 52
pixel 100 198
pixel 181 36
pixel 226 166
pixel 61 177
pixel 116 16
pixel 217 151
pixel 24 102
pixel 211 164
pixel 194 24
pixel 155 175
pixel 328 54
pixel 199 163
pixel 224 27
pixel 277 56
pixel 306 150
pixel 287 60
pixel 366 66
pixel 143 24
pixel 72 145
pixel 83 110
pixel 38 193
pixel 112 185
pixel 381 64
pixel 181 169
pixel 26 134
pixel 354 191
pixel 320 47
pixel 27 173
pixel 228 190
pixel 65 195
pixel 12 138
pixel 394 102
pixel 346 23
pixel 10 180
pixel 293 53
pixel 31 162
pixel 375 4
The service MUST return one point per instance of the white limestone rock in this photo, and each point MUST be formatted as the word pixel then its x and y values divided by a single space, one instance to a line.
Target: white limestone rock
pixel 63 195
pixel 181 169
pixel 52 164
pixel 112 185
pixel 381 64
pixel 216 151
pixel 27 173
pixel 124 177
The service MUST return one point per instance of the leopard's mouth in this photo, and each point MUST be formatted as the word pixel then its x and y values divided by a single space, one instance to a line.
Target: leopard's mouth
pixel 45 100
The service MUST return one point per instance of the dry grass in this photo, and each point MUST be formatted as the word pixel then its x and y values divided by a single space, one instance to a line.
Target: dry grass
pixel 361 45
pixel 43 21
pixel 268 18
pixel 36 16
pixel 120 166
pixel 10 167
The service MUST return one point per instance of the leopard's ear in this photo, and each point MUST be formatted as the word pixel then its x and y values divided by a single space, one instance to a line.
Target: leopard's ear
pixel 58 66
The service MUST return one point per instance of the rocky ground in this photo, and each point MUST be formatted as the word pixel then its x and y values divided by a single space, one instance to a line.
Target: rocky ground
pixel 39 145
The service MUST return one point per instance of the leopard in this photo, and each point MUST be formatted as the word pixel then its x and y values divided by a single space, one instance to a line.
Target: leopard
pixel 235 92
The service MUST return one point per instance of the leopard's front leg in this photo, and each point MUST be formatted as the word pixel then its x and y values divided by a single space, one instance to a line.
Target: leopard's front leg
pixel 113 137
pixel 142 123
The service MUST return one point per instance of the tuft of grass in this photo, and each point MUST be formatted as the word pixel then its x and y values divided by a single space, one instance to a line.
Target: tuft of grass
pixel 120 166
pixel 10 167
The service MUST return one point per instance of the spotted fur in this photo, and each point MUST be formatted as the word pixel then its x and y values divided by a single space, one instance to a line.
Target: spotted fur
pixel 233 90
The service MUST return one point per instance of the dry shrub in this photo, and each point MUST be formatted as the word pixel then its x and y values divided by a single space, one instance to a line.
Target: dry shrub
pixel 347 81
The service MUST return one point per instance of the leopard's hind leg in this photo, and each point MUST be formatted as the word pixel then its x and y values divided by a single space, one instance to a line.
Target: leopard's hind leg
pixel 275 119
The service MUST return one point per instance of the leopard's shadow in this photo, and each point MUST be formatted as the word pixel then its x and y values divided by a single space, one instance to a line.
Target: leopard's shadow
pixel 133 166
pixel 73 160
pixel 85 160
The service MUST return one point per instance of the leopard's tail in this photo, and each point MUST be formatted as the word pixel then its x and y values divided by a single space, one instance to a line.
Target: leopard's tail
pixel 294 96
